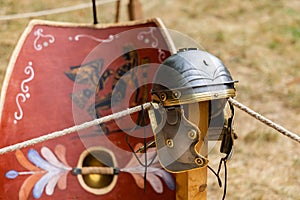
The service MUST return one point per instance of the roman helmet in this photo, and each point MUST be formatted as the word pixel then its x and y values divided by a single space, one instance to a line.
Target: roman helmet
pixel 188 77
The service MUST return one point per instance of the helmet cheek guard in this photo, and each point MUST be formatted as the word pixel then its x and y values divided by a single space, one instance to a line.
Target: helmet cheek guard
pixel 187 77
pixel 176 152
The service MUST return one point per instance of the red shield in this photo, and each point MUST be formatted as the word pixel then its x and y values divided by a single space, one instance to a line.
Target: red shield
pixel 65 74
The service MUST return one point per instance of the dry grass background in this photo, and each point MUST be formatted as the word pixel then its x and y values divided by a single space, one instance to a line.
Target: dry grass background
pixel 259 41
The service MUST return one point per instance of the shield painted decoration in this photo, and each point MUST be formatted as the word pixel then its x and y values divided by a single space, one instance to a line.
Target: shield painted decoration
pixel 63 74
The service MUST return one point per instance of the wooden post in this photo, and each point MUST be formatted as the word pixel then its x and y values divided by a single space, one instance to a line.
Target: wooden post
pixel 135 10
pixel 118 10
pixel 192 185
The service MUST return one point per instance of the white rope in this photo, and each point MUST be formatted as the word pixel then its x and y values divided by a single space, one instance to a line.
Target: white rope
pixel 132 110
pixel 265 120
pixel 53 11
pixel 73 129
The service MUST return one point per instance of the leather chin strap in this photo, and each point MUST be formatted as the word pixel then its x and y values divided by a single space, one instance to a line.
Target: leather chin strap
pixel 176 139
pixel 228 135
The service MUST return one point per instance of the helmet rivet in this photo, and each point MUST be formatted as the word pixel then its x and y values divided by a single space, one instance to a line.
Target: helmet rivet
pixel 192 134
pixel 216 95
pixel 170 143
pixel 176 94
pixel 198 161
pixel 163 97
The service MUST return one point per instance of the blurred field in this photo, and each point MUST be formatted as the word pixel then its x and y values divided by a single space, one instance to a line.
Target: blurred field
pixel 259 41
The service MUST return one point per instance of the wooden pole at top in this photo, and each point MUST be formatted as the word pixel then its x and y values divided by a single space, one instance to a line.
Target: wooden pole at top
pixel 135 10
pixel 192 185
pixel 118 10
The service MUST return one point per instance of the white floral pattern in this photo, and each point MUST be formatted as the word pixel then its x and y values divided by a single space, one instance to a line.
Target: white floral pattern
pixel 148 37
pixel 39 35
pixel 22 96
pixel 100 40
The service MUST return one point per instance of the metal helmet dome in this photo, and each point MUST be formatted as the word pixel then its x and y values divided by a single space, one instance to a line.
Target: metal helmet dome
pixel 190 76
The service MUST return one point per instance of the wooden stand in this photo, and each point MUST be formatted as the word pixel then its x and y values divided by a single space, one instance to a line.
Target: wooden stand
pixel 192 185
pixel 118 9
pixel 135 10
